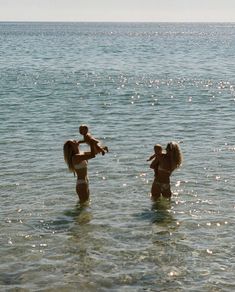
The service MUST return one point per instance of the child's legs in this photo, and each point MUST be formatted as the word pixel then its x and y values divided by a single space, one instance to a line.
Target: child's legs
pixel 106 148
pixel 98 149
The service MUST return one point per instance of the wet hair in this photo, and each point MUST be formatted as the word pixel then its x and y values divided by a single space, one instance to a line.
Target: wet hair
pixel 68 155
pixel 176 156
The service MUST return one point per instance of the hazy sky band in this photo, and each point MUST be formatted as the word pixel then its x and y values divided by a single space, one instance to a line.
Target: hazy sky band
pixel 118 10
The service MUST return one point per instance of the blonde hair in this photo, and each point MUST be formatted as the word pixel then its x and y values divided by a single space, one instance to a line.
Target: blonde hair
pixel 175 155
pixel 68 155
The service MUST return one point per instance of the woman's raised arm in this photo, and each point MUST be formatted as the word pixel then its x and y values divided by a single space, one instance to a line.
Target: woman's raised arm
pixel 85 156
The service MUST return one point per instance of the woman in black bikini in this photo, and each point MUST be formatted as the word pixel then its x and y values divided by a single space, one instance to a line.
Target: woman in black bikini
pixel 77 163
pixel 163 166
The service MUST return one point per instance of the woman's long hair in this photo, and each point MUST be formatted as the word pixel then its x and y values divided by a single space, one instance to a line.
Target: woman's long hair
pixel 175 155
pixel 68 155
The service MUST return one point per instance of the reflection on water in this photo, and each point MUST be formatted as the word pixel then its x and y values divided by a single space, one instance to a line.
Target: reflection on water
pixel 81 214
pixel 161 211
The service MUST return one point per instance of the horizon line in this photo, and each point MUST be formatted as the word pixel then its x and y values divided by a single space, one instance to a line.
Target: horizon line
pixel 117 21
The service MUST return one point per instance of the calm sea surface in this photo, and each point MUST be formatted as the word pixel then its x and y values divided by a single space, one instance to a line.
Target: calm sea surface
pixel 134 85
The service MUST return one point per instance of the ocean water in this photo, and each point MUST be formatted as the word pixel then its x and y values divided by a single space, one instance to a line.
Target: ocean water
pixel 135 85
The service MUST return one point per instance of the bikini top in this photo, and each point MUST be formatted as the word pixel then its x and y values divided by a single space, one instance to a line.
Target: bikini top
pixel 81 165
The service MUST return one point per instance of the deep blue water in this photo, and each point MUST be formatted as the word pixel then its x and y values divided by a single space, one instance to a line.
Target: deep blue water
pixel 135 85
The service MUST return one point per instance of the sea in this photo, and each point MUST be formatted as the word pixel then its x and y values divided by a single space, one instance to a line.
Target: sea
pixel 134 85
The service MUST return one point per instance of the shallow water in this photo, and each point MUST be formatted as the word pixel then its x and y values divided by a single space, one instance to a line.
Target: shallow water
pixel 134 85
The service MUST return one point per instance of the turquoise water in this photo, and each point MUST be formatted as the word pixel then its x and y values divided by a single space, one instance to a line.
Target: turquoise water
pixel 134 85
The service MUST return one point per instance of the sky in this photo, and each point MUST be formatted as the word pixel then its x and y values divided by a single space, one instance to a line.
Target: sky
pixel 118 10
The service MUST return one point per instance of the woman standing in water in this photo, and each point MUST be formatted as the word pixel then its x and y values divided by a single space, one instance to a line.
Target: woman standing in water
pixel 77 163
pixel 163 165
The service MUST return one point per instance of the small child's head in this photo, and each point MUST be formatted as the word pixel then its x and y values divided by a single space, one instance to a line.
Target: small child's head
pixel 158 149
pixel 83 129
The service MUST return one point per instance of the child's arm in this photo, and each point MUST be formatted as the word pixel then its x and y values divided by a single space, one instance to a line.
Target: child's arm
pixel 151 157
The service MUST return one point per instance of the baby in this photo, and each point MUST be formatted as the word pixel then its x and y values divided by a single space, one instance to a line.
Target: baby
pixel 89 139
pixel 157 152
